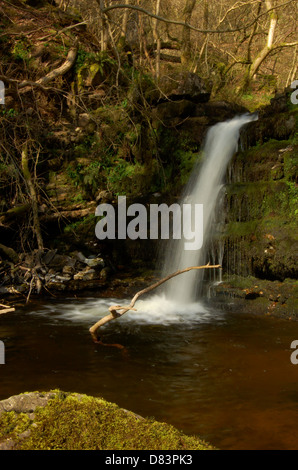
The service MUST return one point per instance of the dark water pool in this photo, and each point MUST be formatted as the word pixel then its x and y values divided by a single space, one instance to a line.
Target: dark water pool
pixel 225 377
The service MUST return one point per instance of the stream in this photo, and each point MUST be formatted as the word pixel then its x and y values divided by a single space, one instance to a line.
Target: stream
pixel 225 377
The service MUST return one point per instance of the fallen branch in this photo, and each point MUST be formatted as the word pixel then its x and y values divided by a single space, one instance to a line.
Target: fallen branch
pixel 55 34
pixel 118 310
pixel 42 82
pixel 10 253
pixel 65 67
pixel 6 309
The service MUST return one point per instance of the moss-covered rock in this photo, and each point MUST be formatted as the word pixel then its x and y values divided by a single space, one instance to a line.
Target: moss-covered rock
pixel 260 234
pixel 258 296
pixel 68 421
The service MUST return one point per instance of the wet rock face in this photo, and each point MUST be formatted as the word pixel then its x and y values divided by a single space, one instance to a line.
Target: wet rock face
pixel 260 236
pixel 249 294
pixel 183 105
pixel 275 121
pixel 186 96
pixel 185 85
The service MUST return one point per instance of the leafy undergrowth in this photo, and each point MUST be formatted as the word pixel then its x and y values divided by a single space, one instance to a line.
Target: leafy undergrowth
pixel 80 422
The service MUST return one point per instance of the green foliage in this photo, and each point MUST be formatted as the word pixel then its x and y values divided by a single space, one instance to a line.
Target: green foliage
pixel 89 177
pixel 187 161
pixel 292 199
pixel 82 55
pixel 9 113
pixel 85 58
pixel 124 177
pixel 82 226
pixel 21 50
pixel 90 65
pixel 74 173
pixel 93 176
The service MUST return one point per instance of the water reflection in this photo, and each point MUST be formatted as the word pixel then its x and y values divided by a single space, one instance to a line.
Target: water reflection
pixel 225 377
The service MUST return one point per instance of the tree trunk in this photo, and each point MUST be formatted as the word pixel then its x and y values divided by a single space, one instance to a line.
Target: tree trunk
pixel 104 26
pixel 157 40
pixel 32 193
pixel 254 30
pixel 293 71
pixel 186 40
pixel 270 38
pixel 124 21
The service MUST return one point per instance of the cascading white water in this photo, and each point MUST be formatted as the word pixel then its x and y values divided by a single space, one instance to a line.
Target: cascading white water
pixel 203 188
pixel 177 302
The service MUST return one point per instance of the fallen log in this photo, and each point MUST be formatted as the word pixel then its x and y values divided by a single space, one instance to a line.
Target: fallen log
pixel 10 253
pixel 41 83
pixel 117 311
pixel 7 310
pixel 15 212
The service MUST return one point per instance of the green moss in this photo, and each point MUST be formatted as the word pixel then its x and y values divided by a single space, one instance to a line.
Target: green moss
pixel 240 282
pixel 13 424
pixel 21 50
pixel 81 422
pixel 82 227
pixel 241 229
pixel 93 66
pixel 132 179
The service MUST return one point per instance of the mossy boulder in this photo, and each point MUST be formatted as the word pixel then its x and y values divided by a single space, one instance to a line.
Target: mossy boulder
pixel 69 421
pixel 276 121
pixel 249 294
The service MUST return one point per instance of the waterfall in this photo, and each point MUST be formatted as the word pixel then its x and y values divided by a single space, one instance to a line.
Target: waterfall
pixel 204 187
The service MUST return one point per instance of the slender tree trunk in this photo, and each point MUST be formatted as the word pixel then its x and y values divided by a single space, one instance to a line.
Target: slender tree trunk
pixel 124 21
pixel 205 26
pixel 268 47
pixel 104 26
pixel 293 71
pixel 254 30
pixel 186 39
pixel 32 193
pixel 157 40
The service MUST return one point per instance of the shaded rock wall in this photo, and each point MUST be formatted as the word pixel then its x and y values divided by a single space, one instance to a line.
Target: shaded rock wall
pixel 260 232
